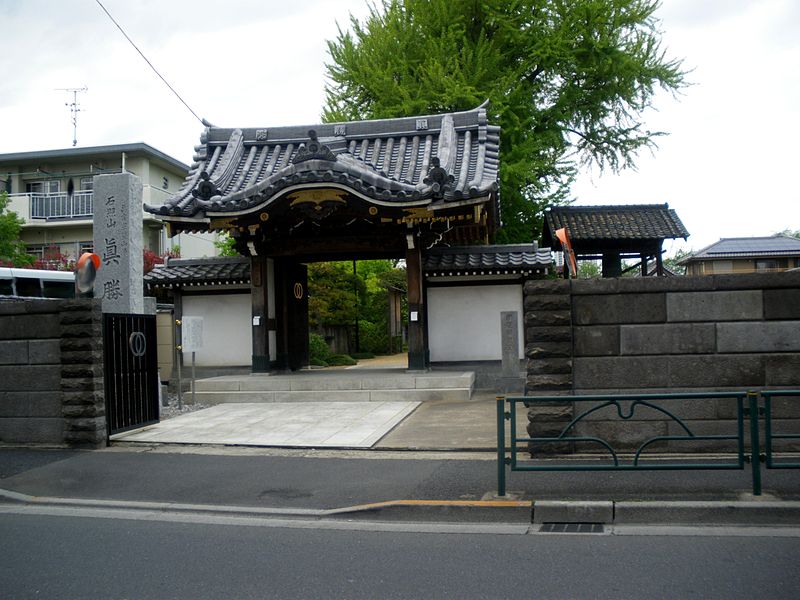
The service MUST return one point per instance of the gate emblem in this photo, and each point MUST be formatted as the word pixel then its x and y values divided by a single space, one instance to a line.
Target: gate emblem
pixel 298 291
pixel 137 343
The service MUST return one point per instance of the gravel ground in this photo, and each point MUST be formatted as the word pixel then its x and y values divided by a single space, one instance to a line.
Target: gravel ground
pixel 172 410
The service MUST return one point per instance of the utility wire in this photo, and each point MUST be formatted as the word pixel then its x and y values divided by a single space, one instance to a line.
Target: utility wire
pixel 148 62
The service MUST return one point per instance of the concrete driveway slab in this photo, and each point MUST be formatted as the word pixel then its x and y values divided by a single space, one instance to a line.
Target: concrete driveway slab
pixel 296 424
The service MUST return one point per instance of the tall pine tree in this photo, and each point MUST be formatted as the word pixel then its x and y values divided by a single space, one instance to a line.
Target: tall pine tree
pixel 567 81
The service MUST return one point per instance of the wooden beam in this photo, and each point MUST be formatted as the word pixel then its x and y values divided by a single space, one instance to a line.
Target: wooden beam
pixel 258 295
pixel 416 308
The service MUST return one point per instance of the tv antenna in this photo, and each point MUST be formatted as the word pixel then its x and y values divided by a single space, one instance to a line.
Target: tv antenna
pixel 74 109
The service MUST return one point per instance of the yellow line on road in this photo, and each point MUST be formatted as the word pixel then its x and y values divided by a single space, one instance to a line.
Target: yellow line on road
pixel 455 503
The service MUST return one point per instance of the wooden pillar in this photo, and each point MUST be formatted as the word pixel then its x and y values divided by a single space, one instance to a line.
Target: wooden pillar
pixel 612 264
pixel 291 312
pixel 416 308
pixel 258 295
pixel 281 316
pixel 644 264
pixel 659 261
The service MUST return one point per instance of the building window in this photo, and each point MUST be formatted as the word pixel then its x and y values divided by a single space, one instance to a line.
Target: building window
pixel 51 186
pixel 36 250
pixel 771 264
pixel 85 247
pixel 723 266
pixel 87 184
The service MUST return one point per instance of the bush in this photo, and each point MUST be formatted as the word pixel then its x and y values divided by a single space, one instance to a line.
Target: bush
pixel 373 338
pixel 319 353
pixel 362 355
pixel 341 360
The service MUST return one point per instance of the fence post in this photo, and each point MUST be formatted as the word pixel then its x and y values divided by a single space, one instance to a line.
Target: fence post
pixel 501 447
pixel 755 446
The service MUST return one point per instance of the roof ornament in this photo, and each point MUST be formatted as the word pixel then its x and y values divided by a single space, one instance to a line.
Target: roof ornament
pixel 205 190
pixel 439 180
pixel 313 149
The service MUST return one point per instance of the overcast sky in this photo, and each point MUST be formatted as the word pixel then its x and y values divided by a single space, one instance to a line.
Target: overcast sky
pixel 728 166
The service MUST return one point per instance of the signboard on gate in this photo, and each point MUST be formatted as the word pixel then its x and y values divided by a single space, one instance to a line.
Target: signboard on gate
pixel 191 334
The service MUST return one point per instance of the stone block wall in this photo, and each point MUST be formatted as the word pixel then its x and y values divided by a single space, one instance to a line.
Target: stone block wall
pixel 690 333
pixel 51 373
pixel 663 335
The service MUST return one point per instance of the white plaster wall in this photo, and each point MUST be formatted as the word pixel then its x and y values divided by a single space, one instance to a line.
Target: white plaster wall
pixel 227 330
pixel 464 322
pixel 193 245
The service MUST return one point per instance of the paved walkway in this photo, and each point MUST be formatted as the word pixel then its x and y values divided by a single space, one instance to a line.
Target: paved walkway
pixel 431 425
pixel 288 424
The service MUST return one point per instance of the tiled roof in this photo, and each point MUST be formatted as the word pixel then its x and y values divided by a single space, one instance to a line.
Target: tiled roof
pixel 390 160
pixel 627 222
pixel 748 247
pixel 496 260
pixel 201 271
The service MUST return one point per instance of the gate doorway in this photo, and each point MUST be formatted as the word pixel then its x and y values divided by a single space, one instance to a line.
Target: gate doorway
pixel 131 371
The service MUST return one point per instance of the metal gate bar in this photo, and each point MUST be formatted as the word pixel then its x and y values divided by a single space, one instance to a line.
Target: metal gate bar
pixel 770 436
pixel 131 371
pixel 646 400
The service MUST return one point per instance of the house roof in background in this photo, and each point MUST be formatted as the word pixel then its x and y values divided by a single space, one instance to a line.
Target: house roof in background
pixel 89 151
pixel 512 259
pixel 179 272
pixel 507 259
pixel 748 247
pixel 612 223
pixel 388 160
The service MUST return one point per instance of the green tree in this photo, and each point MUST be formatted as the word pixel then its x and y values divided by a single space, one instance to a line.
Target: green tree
pixel 589 269
pixel 671 262
pixel 567 82
pixel 12 249
pixel 225 245
pixel 331 297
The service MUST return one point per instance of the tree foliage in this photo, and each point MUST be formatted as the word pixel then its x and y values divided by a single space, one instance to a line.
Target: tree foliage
pixel 332 298
pixel 12 249
pixel 567 82
pixel 225 245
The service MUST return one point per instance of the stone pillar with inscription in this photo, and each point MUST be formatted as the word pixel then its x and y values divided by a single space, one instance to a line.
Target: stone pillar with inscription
pixel 118 242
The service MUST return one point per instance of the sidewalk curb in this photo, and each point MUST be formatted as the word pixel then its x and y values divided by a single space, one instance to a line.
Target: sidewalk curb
pixel 752 512
pixel 691 512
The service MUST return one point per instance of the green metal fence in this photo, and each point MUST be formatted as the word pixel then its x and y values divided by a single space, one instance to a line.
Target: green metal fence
pixel 626 406
pixel 769 434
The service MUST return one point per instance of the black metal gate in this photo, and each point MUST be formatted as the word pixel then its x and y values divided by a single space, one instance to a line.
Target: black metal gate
pixel 131 371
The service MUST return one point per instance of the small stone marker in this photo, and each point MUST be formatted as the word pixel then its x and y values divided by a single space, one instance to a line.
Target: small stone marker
pixel 118 242
pixel 509 341
pixel 191 334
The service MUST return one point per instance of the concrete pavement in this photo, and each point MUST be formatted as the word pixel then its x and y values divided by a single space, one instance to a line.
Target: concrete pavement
pixel 438 463
pixel 385 485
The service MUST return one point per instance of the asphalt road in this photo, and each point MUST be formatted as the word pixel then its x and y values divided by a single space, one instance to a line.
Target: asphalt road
pixel 311 482
pixel 78 557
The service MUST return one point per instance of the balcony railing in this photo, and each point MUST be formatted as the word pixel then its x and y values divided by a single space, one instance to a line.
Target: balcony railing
pixel 62 206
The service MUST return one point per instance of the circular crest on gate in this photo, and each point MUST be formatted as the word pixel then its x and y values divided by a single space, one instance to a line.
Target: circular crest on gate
pixel 137 343
pixel 298 291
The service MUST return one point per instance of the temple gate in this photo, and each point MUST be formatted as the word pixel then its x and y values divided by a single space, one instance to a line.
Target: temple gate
pixel 392 188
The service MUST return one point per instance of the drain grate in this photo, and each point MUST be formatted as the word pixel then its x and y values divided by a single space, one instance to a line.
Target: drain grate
pixel 571 528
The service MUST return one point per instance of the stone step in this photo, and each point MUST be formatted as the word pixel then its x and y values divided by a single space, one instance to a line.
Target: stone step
pixel 342 381
pixel 368 385
pixel 399 395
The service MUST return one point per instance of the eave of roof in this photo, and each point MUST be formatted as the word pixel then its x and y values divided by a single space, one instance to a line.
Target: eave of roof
pixel 391 161
pixel 204 271
pixel 747 248
pixel 606 223
pixel 66 153
pixel 498 259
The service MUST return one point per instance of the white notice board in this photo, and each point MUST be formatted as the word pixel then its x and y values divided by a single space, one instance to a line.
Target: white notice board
pixel 191 334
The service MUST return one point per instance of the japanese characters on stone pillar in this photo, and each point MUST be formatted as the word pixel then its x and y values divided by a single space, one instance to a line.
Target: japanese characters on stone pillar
pixel 118 242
